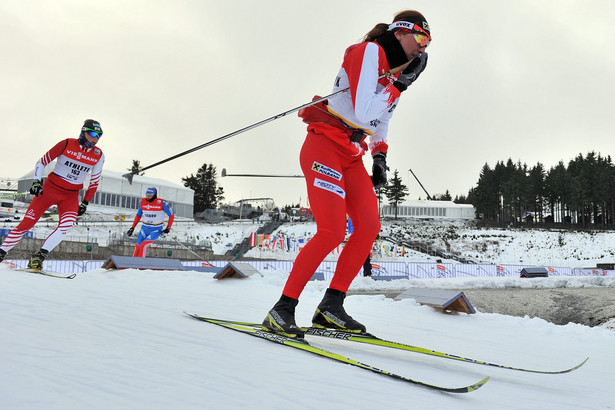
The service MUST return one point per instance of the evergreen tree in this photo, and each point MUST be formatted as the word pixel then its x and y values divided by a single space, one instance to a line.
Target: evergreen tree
pixel 461 199
pixel 510 183
pixel 207 194
pixel 443 197
pixel 580 170
pixel 219 195
pixel 602 187
pixel 135 169
pixel 396 192
pixel 536 190
pixel 380 192
pixel 607 187
pixel 558 190
pixel 486 195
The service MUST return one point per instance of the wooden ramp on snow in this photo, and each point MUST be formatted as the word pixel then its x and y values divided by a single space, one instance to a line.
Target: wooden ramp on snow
pixel 439 298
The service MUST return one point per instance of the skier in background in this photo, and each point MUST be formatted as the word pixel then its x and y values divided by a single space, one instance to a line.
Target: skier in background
pixel 331 160
pixel 151 212
pixel 76 159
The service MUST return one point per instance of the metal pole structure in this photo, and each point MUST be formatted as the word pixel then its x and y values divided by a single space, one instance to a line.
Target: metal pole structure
pixel 417 180
pixel 130 175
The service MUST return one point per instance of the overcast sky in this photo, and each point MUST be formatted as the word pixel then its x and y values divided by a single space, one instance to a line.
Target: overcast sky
pixel 529 80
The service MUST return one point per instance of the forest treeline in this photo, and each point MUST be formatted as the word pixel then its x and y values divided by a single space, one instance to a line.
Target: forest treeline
pixel 581 192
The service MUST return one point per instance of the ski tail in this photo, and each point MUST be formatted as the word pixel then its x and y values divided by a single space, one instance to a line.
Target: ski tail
pixel 45 273
pixel 372 340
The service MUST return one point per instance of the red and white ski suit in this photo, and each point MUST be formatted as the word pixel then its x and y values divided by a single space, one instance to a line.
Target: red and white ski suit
pixel 61 188
pixel 331 160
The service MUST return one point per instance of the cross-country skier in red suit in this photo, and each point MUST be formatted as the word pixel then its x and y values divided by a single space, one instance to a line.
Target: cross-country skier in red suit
pixel 76 159
pixel 331 159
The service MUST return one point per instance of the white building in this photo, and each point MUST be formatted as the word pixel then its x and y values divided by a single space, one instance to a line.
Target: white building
pixel 430 209
pixel 114 191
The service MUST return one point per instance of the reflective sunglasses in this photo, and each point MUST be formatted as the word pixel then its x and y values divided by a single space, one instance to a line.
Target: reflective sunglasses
pixel 421 39
pixel 92 133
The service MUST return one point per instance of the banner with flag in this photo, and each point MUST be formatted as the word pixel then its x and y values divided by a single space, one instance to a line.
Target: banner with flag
pixel 253 239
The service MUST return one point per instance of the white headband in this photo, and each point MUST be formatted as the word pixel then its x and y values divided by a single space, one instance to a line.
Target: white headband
pixel 401 24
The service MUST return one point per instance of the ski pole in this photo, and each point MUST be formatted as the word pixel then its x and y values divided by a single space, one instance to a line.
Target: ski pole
pixel 225 174
pixel 130 175
pixel 12 195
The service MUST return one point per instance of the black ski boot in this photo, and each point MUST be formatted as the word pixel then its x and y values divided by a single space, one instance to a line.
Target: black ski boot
pixel 330 314
pixel 36 261
pixel 281 319
pixel 2 255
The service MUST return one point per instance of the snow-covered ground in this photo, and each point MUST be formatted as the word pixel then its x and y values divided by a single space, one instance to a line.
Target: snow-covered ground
pixel 119 340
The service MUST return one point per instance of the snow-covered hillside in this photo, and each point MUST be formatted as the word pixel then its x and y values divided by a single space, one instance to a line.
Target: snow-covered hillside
pixel 483 245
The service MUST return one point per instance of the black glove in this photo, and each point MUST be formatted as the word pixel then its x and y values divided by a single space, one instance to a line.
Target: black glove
pixel 165 231
pixel 411 73
pixel 379 170
pixel 130 231
pixel 36 189
pixel 82 207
